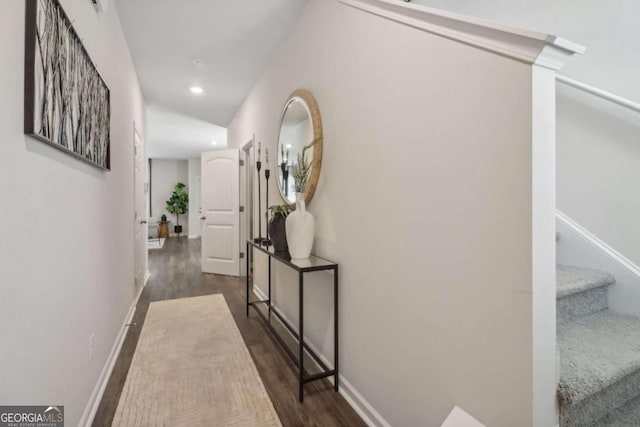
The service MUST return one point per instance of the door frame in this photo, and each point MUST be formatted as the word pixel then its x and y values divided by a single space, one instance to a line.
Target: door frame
pixel 145 191
pixel 198 195
pixel 247 177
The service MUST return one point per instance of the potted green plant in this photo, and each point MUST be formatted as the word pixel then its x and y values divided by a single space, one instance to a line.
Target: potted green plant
pixel 276 224
pixel 178 204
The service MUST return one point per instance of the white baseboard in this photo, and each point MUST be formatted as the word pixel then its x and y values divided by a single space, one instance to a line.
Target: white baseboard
pixel 194 236
pixel 103 379
pixel 366 411
pixel 146 279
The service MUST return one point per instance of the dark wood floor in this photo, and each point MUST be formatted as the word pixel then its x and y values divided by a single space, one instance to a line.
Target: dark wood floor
pixel 175 273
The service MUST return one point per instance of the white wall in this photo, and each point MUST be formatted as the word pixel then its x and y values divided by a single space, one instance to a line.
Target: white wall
pixel 598 175
pixel 194 198
pixel 425 200
pixel 598 142
pixel 165 174
pixel 609 30
pixel 66 244
pixel 598 168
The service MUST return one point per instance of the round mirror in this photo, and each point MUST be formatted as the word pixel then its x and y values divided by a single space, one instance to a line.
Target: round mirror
pixel 300 137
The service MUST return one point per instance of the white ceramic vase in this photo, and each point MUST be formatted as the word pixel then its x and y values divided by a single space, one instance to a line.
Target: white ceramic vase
pixel 300 228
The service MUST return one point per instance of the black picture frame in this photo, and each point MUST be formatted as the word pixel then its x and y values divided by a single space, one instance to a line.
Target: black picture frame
pixel 66 100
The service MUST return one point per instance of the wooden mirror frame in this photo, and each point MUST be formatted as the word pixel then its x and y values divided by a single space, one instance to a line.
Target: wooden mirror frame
pixel 316 121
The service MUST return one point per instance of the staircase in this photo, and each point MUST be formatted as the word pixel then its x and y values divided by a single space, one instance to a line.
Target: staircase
pixel 599 353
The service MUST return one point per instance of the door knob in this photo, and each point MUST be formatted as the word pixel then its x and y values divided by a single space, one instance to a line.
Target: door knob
pixel 143 222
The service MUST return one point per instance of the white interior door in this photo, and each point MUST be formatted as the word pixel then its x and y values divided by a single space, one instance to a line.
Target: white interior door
pixel 140 215
pixel 220 201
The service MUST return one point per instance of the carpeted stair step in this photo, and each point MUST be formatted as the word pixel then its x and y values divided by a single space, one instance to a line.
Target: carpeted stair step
pixel 628 415
pixel 599 368
pixel 580 292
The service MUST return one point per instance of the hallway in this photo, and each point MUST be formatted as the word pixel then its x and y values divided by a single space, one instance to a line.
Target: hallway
pixel 175 273
pixel 470 170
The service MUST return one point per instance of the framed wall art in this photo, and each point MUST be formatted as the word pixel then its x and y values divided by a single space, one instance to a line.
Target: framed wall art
pixel 66 100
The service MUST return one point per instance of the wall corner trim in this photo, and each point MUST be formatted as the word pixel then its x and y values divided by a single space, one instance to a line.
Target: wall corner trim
pixel 96 396
pixel 556 53
pixel 512 42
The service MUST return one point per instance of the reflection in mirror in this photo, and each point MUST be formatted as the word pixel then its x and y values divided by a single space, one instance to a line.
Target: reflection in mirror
pixel 296 132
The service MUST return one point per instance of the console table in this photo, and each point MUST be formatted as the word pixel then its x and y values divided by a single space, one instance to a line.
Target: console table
pixel 302 266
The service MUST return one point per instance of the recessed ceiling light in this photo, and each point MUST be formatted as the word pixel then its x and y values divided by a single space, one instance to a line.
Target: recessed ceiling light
pixel 214 143
pixel 288 146
pixel 199 62
pixel 196 89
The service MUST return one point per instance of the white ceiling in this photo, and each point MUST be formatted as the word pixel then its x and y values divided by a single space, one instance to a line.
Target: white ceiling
pixel 237 39
pixel 172 135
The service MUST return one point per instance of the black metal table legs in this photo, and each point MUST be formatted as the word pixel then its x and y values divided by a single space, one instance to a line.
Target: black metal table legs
pixel 248 274
pixel 303 347
pixel 269 295
pixel 335 327
pixel 301 332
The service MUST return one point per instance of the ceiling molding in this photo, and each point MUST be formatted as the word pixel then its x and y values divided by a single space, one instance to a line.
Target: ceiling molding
pixel 512 42
pixel 556 53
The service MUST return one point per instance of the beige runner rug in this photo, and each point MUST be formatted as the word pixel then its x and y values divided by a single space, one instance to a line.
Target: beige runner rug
pixel 192 368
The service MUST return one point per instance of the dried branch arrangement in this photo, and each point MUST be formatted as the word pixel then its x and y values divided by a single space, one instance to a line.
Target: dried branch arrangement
pixel 301 169
pixel 66 99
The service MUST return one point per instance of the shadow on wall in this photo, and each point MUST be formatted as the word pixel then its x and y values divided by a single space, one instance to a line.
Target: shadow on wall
pixel 37 147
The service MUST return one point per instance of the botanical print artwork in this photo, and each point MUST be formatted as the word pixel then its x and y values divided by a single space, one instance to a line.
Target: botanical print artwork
pixel 66 99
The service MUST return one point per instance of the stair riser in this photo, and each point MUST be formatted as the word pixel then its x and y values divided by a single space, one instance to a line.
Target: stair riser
pixel 593 409
pixel 581 304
